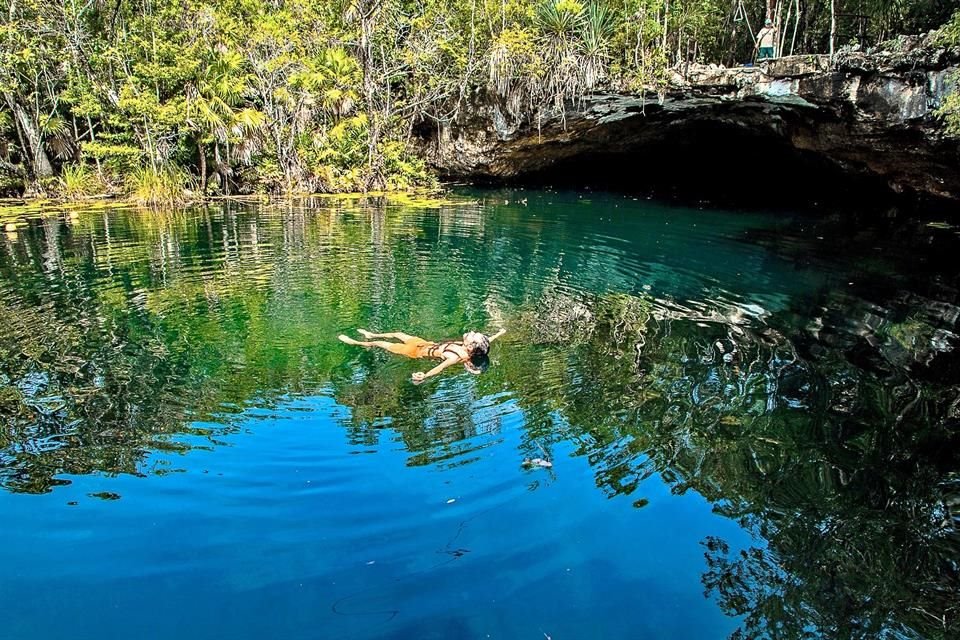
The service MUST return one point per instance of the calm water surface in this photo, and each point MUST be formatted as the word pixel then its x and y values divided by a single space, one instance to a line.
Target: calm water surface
pixel 753 421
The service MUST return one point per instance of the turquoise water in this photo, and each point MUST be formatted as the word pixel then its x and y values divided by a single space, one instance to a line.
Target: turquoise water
pixel 751 418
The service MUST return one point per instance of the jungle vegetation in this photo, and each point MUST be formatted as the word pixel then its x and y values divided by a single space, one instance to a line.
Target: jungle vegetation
pixel 154 98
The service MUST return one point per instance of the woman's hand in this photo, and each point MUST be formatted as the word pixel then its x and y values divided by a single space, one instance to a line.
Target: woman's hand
pixel 419 376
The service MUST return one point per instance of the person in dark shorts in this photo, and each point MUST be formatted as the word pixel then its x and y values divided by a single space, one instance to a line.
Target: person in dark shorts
pixel 766 40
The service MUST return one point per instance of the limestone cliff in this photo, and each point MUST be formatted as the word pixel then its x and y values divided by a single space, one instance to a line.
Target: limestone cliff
pixel 863 115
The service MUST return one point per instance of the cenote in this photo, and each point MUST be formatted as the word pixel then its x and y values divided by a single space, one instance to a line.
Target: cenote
pixel 753 420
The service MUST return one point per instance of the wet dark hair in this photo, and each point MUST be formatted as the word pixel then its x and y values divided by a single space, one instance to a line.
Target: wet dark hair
pixel 478 362
pixel 481 346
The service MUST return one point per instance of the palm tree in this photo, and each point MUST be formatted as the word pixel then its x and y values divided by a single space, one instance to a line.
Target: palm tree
pixel 596 31
pixel 212 113
pixel 575 41
pixel 341 77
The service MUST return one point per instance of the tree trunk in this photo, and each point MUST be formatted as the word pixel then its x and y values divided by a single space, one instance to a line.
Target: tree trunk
pixel 222 170
pixel 375 178
pixel 666 14
pixel 30 132
pixel 796 23
pixel 203 167
pixel 227 170
pixel 96 159
pixel 368 17
pixel 833 25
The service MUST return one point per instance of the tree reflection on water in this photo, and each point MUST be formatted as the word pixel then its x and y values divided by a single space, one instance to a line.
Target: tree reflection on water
pixel 832 436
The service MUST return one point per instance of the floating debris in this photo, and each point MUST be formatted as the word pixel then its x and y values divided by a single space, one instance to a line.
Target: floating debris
pixel 537 462
pixel 105 495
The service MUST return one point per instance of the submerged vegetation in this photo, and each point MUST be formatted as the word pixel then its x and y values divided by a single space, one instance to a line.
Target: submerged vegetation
pixel 153 97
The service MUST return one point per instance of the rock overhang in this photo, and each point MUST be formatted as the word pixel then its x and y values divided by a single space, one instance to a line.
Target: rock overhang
pixel 860 120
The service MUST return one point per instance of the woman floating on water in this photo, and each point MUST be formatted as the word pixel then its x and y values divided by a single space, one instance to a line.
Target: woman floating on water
pixel 474 346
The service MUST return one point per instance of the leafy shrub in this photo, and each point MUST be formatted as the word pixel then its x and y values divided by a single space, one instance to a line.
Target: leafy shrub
pixel 949 34
pixel 119 158
pixel 949 111
pixel 77 182
pixel 157 188
pixel 405 171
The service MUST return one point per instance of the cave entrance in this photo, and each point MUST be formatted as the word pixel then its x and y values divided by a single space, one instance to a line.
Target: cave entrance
pixel 713 162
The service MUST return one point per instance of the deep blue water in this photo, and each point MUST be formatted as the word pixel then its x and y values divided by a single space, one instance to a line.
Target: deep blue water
pixel 288 531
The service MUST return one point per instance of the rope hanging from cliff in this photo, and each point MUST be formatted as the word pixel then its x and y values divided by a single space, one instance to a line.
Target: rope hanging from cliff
pixel 740 15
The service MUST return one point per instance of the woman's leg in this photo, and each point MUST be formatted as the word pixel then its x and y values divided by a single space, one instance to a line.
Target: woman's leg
pixel 392 347
pixel 403 337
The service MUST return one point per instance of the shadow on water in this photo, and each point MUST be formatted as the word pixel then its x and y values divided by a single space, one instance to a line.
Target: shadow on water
pixel 822 416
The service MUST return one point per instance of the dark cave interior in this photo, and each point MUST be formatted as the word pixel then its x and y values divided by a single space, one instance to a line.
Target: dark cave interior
pixel 707 161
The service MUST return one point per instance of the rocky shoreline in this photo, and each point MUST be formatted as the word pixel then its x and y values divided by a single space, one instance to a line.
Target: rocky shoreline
pixel 868 116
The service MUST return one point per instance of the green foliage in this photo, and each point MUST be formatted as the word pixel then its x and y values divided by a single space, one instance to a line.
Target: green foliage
pixel 405 171
pixel 949 34
pixel 78 181
pixel 118 158
pixel 227 89
pixel 560 19
pixel 166 187
pixel 949 111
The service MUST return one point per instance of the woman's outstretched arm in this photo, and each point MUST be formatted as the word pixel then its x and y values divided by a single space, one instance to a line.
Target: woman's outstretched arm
pixel 420 376
pixel 497 334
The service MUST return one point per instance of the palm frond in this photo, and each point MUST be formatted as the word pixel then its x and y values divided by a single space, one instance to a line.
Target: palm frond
pixel 54 126
pixel 247 121
pixel 597 28
pixel 560 19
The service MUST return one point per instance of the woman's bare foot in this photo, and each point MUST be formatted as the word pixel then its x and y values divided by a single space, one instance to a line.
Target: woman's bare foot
pixel 366 334
pixel 347 339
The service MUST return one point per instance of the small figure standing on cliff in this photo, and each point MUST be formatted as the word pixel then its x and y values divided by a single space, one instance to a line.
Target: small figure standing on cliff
pixel 766 39
pixel 471 351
